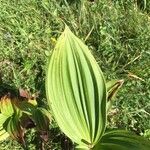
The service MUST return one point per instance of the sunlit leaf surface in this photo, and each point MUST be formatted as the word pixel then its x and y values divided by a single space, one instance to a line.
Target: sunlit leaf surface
pixel 76 90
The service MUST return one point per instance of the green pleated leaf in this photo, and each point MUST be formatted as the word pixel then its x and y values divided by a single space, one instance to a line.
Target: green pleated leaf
pixel 3 133
pixel 13 127
pixel 26 107
pixel 6 106
pixel 76 90
pixel 41 118
pixel 122 140
pixel 3 118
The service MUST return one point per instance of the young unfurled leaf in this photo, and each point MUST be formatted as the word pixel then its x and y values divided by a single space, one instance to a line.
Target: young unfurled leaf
pixel 112 89
pixel 76 90
pixel 28 97
pixel 24 93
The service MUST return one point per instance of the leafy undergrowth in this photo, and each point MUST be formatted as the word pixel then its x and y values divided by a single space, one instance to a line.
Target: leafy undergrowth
pixel 116 32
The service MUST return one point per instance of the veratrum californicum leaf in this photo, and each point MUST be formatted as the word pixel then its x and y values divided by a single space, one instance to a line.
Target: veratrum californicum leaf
pixel 76 90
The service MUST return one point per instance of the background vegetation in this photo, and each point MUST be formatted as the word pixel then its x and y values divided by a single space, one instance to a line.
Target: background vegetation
pixel 116 31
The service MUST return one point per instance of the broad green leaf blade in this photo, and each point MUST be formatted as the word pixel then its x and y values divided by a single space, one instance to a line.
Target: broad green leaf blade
pixel 41 118
pixel 45 113
pixel 3 118
pixel 112 89
pixel 3 134
pixel 13 127
pixel 76 90
pixel 7 106
pixel 122 140
pixel 26 107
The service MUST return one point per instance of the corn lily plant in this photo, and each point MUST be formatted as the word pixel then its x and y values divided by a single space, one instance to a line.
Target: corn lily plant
pixel 80 98
pixel 19 113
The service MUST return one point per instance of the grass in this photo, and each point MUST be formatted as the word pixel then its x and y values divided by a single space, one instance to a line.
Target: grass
pixel 117 34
